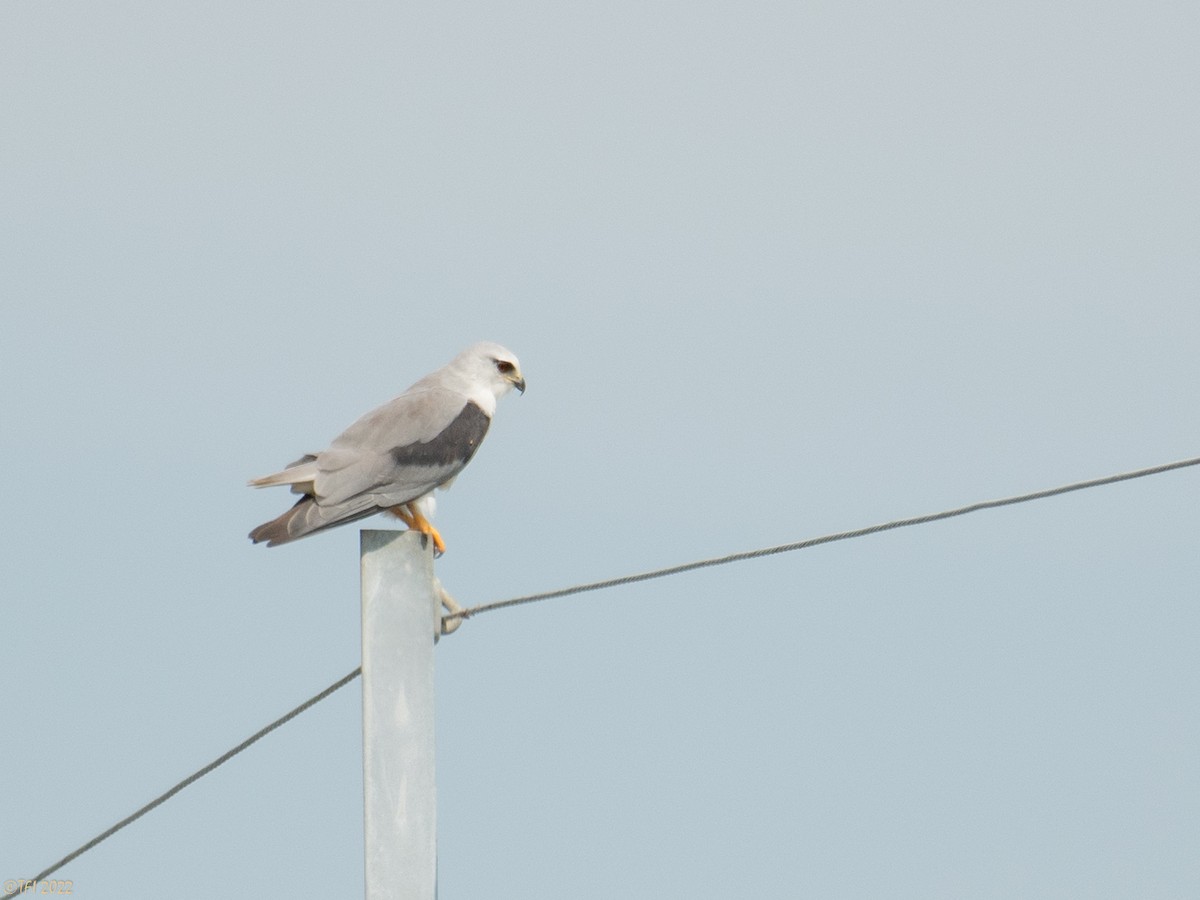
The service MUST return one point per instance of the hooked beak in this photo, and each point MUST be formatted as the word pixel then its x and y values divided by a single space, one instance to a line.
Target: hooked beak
pixel 518 381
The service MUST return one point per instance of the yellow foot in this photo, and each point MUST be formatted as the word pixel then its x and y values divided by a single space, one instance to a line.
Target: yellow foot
pixel 411 516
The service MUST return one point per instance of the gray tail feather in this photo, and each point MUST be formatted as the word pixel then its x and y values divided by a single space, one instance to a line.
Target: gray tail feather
pixel 306 518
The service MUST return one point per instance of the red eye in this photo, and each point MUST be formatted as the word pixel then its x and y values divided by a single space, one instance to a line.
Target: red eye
pixel 504 367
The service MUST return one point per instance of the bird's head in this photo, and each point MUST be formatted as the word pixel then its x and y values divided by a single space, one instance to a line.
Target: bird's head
pixel 505 368
pixel 492 368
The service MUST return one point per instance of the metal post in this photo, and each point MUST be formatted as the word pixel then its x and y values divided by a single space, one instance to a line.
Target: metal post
pixel 400 617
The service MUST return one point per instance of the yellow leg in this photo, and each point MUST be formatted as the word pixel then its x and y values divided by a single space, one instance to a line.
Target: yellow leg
pixel 411 516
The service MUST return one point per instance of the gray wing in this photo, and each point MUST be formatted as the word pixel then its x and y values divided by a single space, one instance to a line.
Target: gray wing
pixel 418 415
pixel 396 471
pixel 388 457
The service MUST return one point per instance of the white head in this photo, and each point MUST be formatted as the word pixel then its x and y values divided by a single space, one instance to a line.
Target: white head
pixel 485 372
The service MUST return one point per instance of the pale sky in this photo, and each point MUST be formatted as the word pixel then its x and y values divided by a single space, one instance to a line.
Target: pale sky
pixel 772 270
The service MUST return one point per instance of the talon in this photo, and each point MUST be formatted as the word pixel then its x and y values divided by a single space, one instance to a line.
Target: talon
pixel 411 516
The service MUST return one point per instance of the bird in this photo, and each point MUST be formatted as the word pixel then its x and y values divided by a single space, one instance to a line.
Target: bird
pixel 394 457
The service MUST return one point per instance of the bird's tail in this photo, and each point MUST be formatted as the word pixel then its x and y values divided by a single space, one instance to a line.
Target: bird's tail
pixel 307 517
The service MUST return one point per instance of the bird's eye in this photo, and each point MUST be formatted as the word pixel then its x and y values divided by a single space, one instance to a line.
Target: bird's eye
pixel 504 367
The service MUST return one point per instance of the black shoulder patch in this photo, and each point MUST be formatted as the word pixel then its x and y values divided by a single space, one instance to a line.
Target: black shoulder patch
pixel 453 448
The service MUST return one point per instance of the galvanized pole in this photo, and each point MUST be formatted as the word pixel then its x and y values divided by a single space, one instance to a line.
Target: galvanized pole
pixel 400 617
